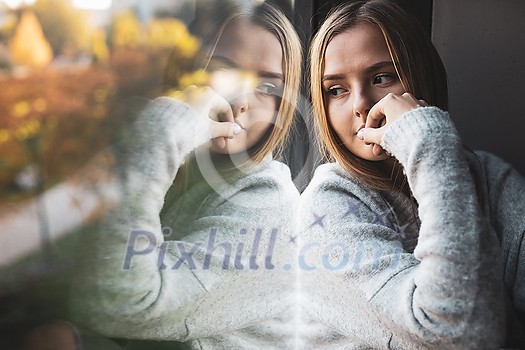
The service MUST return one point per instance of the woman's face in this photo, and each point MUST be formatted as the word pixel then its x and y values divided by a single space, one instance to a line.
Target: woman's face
pixel 246 70
pixel 358 73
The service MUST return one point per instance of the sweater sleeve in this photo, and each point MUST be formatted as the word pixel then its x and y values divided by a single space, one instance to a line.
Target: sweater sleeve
pixel 110 292
pixel 133 284
pixel 457 285
pixel 506 192
pixel 447 293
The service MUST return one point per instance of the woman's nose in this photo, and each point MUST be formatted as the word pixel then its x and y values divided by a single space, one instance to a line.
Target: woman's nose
pixel 362 103
pixel 239 103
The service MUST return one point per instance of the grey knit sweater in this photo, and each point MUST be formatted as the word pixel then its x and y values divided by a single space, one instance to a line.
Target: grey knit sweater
pixel 210 272
pixel 378 274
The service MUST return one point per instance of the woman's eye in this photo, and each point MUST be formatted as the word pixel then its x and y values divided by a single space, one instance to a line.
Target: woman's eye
pixel 335 91
pixel 267 88
pixel 384 79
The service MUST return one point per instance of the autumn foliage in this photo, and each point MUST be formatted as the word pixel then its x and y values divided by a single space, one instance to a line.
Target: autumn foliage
pixel 57 118
pixel 29 47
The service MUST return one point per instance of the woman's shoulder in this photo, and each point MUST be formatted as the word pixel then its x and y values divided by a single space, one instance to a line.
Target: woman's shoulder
pixel 270 174
pixel 492 165
pixel 505 186
pixel 332 186
pixel 495 173
pixel 265 185
pixel 331 177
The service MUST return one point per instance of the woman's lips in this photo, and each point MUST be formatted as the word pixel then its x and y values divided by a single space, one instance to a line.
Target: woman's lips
pixel 238 122
pixel 359 129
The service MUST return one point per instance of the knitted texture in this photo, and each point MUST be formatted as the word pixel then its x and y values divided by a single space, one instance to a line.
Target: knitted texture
pixel 213 278
pixel 380 275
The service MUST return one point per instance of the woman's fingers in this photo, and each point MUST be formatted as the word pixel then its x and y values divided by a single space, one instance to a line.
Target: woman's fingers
pixel 391 107
pixel 219 142
pixel 377 150
pixel 207 103
pixel 381 116
pixel 221 131
pixel 376 114
pixel 224 129
pixel 220 110
pixel 371 135
pixel 222 120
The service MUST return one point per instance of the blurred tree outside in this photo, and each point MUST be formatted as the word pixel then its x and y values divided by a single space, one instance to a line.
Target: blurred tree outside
pixel 59 117
pixel 126 31
pixel 8 26
pixel 5 58
pixel 29 47
pixel 65 27
pixel 99 47
pixel 54 120
pixel 172 33
pixel 155 54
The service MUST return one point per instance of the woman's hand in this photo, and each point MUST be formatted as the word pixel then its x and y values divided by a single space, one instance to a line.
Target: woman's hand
pixel 208 104
pixel 383 114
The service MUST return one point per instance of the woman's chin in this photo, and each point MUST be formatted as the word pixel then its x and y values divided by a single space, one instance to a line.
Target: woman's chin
pixel 366 153
pixel 228 146
pixel 379 158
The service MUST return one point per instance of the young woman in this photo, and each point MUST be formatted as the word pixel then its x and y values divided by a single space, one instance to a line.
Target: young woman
pixel 409 240
pixel 196 255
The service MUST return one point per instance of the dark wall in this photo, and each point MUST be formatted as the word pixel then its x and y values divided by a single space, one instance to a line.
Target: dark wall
pixel 482 43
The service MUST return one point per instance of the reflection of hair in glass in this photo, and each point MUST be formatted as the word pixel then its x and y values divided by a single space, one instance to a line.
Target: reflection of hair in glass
pixel 210 24
pixel 214 21
pixel 408 43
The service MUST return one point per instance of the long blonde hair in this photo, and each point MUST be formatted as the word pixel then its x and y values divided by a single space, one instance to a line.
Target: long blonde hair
pixel 273 20
pixel 213 21
pixel 269 17
pixel 417 64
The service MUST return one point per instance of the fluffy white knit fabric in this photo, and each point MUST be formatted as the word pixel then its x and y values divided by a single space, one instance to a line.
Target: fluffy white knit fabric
pixel 377 274
pixel 211 275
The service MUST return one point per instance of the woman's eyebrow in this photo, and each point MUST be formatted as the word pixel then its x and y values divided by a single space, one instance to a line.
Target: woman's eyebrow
pixel 375 66
pixel 232 64
pixel 223 60
pixel 378 65
pixel 333 77
pixel 267 74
